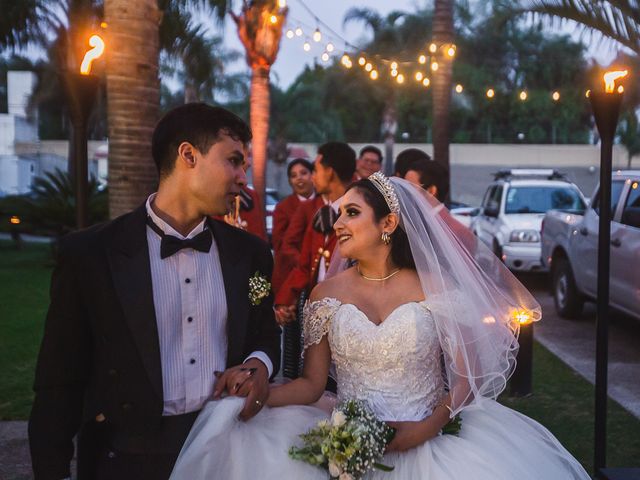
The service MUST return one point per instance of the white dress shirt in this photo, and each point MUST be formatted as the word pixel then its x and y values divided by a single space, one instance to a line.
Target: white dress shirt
pixel 191 315
pixel 322 268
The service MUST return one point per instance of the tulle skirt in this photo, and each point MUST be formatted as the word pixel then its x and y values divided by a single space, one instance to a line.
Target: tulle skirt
pixel 494 443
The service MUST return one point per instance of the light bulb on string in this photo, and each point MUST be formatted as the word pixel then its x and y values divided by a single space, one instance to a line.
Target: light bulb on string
pixel 400 78
pixel 433 48
pixel 394 73
pixel 368 67
pixel 394 65
pixel 426 82
pixel 282 3
pixel 306 46
pixel 317 36
pixel 362 61
pixel 587 93
pixel 374 74
pixel 345 59
pixel 459 88
pixel 325 57
pixel 298 32
pixel 523 95
pixel 491 93
pixel 330 47
pixel 422 59
pixel 434 66
pixel 273 19
pixel 555 96
pixel 621 89
pixel 290 34
pixel 419 76
pixel 451 51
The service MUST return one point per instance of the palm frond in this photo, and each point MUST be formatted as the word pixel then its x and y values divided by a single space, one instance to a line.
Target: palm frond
pixel 618 20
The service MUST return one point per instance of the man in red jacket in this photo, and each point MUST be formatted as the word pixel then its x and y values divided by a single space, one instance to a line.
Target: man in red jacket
pixel 299 173
pixel 333 170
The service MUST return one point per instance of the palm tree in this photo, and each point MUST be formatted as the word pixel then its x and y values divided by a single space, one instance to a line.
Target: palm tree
pixel 443 36
pixel 618 20
pixel 259 26
pixel 133 91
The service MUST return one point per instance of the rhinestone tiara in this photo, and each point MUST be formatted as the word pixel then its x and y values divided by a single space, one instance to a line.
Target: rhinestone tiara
pixel 385 187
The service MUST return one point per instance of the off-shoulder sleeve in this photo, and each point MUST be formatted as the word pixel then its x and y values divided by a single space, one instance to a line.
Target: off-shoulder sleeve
pixel 317 320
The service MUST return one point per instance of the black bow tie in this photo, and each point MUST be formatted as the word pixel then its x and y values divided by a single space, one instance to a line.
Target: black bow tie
pixel 170 244
pixel 324 219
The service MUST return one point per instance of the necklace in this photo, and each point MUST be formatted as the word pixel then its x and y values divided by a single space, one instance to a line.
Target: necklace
pixel 376 279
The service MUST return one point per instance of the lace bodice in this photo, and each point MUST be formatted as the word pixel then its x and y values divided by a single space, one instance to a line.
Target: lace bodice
pixel 395 366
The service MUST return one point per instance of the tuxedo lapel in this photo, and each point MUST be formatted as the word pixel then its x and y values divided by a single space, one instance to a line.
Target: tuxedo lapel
pixel 234 277
pixel 131 273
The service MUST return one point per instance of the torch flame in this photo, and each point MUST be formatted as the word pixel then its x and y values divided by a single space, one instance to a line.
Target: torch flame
pixel 98 49
pixel 611 77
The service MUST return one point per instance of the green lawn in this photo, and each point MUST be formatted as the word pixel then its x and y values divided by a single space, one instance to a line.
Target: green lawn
pixel 561 400
pixel 24 295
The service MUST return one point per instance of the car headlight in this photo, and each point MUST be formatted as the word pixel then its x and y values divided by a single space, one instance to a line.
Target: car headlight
pixel 525 236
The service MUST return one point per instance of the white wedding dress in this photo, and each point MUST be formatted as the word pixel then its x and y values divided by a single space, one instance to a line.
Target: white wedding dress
pixel 396 368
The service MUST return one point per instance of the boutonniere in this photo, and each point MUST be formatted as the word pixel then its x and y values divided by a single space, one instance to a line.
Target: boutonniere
pixel 259 288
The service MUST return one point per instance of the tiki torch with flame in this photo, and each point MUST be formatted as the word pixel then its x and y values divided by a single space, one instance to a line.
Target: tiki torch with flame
pixel 605 103
pixel 81 88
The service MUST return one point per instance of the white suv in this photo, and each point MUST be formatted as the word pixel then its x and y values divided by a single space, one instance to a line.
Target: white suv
pixel 512 211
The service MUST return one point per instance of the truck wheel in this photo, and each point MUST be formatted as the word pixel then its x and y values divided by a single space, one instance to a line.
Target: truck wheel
pixel 568 300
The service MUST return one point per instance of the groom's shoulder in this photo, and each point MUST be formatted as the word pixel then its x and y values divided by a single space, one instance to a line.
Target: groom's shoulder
pixel 95 236
pixel 241 238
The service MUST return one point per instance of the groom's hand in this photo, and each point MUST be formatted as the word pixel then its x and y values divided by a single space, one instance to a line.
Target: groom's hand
pixel 285 314
pixel 250 380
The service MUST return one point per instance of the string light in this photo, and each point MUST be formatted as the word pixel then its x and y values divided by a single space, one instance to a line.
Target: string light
pixel 394 65
pixel 282 3
pixel 345 58
pixel 400 78
pixel 555 96
pixel 298 32
pixel 426 82
pixel 290 33
pixel 274 19
pixel 491 93
pixel 325 57
pixel 368 67
pixel 451 51
pixel 419 76
pixel 523 95
pixel 330 47
pixel 317 36
pixel 394 73
pixel 434 66
pixel 459 88
pixel 587 93
pixel 306 46
pixel 422 59
pixel 620 89
pixel 362 61
pixel 374 74
pixel 433 48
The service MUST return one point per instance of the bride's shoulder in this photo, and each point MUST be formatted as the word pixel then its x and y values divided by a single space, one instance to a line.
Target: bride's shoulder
pixel 331 288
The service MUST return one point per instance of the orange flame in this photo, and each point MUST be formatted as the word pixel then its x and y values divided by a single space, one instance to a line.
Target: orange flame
pixel 611 77
pixel 96 51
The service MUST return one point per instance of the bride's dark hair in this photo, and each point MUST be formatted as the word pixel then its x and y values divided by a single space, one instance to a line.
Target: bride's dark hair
pixel 400 249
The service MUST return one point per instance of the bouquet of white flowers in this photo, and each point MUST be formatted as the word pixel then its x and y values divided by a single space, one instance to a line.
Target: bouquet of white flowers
pixel 349 445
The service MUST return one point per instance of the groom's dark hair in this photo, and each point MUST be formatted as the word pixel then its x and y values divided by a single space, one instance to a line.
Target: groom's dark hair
pixel 197 123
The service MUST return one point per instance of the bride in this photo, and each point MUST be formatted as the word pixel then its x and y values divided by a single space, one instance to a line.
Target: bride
pixel 422 328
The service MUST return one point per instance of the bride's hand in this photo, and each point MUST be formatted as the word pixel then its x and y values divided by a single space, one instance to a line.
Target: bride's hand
pixel 408 435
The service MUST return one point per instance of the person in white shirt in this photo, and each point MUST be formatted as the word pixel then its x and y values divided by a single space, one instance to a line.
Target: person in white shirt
pixel 155 313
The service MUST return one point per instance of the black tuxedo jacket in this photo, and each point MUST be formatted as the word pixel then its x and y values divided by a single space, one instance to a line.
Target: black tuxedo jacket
pixel 100 354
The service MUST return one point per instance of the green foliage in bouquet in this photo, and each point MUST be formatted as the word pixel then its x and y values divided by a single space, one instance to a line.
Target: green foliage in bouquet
pixel 347 446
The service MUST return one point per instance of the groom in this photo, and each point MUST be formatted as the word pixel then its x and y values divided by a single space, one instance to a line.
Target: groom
pixel 148 309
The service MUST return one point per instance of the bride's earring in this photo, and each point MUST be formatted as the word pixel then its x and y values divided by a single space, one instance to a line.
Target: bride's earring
pixel 386 238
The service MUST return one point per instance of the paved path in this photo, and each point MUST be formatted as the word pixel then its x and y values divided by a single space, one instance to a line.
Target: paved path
pixel 574 342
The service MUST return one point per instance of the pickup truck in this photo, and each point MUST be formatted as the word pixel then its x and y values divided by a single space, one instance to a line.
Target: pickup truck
pixel 570 250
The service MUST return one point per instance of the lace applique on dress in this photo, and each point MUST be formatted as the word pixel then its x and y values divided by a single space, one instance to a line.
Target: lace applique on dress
pixel 317 320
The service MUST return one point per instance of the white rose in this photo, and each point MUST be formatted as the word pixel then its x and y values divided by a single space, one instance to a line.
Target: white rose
pixel 345 476
pixel 334 470
pixel 338 418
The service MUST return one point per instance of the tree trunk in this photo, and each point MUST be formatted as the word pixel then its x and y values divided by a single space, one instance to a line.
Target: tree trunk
pixel 442 35
pixel 133 100
pixel 259 119
pixel 190 93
